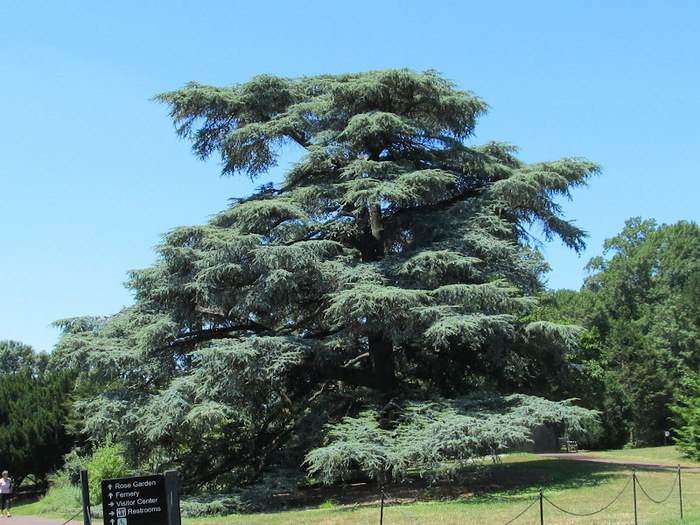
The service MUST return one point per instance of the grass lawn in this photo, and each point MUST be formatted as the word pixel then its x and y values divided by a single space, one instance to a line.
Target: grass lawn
pixel 499 493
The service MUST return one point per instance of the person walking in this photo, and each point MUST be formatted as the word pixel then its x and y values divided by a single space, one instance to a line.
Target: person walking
pixel 5 490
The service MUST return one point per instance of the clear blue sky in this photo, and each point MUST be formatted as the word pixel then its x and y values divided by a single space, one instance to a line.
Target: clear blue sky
pixel 92 174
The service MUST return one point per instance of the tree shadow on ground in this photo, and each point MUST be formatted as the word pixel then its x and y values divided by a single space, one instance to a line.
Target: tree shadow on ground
pixel 478 481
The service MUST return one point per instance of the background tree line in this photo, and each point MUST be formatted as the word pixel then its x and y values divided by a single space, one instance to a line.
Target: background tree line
pixel 381 309
pixel 35 410
pixel 641 313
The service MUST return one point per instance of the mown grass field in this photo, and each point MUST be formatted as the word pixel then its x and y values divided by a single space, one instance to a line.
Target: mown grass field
pixel 499 493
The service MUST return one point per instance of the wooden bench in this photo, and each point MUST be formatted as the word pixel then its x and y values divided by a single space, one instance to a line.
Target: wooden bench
pixel 567 445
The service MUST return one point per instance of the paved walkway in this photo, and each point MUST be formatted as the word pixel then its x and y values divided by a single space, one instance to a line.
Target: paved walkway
pixel 32 520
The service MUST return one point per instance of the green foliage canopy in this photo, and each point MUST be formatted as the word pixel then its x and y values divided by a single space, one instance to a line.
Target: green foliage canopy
pixel 35 406
pixel 16 356
pixel 393 260
pixel 646 287
pixel 429 436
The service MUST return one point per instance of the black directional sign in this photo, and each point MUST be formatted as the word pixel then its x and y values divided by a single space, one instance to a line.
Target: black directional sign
pixel 135 501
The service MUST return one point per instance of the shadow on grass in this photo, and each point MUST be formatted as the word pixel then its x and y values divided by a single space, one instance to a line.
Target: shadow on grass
pixel 524 478
pixel 512 480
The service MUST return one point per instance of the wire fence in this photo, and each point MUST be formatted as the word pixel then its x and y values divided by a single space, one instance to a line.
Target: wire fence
pixel 542 499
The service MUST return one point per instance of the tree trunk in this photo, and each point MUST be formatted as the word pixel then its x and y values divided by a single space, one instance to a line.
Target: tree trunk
pixel 382 355
pixel 375 220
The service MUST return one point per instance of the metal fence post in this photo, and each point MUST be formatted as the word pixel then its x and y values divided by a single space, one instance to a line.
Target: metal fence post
pixel 634 494
pixel 541 509
pixel 381 508
pixel 680 491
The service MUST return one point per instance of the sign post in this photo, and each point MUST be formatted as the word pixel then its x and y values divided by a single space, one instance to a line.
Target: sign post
pixel 172 494
pixel 85 489
pixel 135 501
